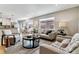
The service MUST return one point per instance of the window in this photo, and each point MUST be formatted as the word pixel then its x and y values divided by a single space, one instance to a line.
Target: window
pixel 47 24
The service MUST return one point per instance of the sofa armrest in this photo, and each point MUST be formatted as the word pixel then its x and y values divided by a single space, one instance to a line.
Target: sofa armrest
pixel 60 38
pixel 48 49
pixel 76 51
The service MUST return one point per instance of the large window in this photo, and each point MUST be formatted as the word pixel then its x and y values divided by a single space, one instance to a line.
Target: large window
pixel 47 24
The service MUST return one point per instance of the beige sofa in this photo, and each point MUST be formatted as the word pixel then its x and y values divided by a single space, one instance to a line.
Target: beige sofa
pixel 65 47
pixel 51 36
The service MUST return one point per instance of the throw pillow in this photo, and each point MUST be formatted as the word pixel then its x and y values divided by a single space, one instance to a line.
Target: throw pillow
pixel 65 43
pixel 49 31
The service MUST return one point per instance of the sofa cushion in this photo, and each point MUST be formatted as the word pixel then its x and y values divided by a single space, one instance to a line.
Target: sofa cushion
pixel 56 44
pixel 59 39
pixel 44 36
pixel 62 44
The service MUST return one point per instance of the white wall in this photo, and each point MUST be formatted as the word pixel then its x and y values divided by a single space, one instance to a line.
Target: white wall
pixel 70 15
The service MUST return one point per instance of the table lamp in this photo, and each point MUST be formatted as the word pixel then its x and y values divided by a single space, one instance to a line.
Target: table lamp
pixel 62 26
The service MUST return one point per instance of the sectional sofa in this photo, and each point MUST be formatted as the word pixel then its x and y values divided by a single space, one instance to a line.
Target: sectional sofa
pixel 67 46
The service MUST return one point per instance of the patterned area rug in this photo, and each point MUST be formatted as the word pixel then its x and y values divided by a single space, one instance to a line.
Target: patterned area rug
pixel 18 49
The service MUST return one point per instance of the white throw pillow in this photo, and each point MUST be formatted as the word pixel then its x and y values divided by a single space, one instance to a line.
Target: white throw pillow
pixel 65 43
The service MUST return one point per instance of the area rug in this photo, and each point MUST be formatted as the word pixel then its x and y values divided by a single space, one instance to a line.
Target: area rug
pixel 18 49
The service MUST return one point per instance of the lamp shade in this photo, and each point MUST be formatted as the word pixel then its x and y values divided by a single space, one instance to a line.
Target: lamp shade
pixel 62 24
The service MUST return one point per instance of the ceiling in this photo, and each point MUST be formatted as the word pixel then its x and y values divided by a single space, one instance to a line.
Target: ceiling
pixel 24 11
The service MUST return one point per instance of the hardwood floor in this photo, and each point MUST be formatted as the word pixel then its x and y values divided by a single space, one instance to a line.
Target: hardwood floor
pixel 2 49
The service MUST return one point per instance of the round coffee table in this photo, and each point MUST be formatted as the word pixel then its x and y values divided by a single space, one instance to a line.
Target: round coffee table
pixel 30 42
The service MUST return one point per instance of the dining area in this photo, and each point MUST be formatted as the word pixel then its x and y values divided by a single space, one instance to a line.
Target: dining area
pixel 9 38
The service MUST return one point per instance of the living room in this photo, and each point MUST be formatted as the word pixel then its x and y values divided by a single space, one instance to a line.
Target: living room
pixel 30 33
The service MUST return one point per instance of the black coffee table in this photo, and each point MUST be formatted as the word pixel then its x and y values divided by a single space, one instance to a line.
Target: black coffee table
pixel 31 42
